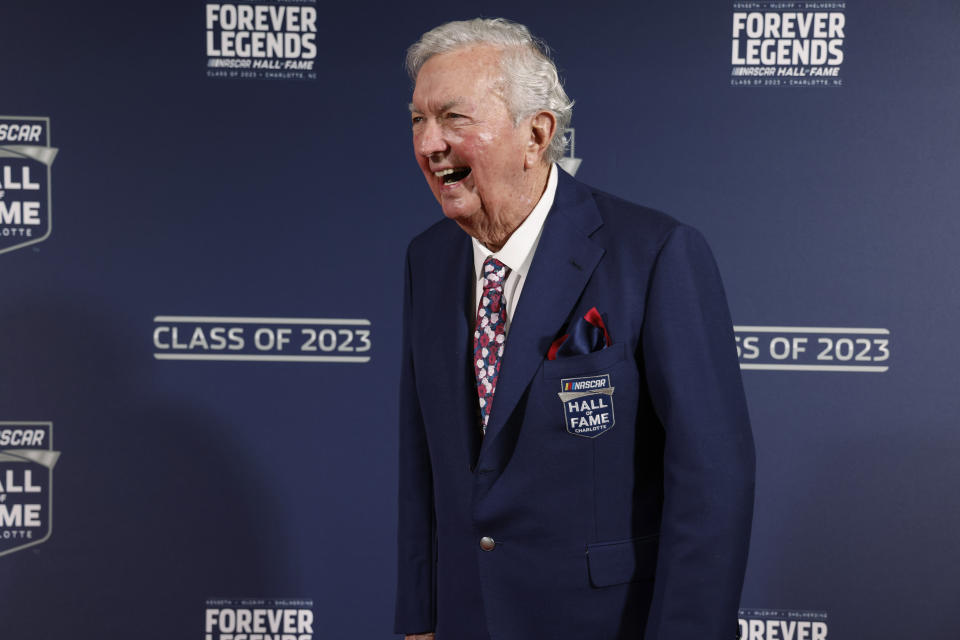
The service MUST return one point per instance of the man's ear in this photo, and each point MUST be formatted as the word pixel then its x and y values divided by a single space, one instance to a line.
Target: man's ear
pixel 543 126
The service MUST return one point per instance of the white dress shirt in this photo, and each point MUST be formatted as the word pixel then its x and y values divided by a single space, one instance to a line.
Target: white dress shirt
pixel 518 252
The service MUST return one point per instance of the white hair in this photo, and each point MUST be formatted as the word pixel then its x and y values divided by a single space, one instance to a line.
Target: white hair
pixel 530 77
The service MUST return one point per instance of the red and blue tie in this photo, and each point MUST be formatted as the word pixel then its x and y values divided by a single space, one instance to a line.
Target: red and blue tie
pixel 490 334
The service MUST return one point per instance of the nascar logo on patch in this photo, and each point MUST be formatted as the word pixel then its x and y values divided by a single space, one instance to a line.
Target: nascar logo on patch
pixel 587 405
pixel 26 484
pixel 25 159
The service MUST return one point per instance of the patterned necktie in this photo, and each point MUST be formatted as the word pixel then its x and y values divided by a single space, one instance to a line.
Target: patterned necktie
pixel 490 334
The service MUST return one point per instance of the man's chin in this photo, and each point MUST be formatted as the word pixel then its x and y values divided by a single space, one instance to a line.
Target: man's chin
pixel 459 209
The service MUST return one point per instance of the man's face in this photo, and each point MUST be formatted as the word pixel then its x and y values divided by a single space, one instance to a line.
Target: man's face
pixel 468 148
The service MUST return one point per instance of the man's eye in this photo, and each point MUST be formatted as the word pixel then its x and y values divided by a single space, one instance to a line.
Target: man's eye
pixel 416 119
pixel 454 115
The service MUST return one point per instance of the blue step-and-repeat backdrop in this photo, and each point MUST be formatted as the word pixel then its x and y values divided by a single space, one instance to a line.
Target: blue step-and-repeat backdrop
pixel 203 218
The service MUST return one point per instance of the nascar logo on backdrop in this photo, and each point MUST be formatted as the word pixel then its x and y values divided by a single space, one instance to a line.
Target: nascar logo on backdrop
pixel 569 163
pixel 27 459
pixel 25 203
pixel 261 40
pixel 258 618
pixel 787 44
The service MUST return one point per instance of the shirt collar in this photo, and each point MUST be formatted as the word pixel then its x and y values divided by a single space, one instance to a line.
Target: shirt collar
pixel 518 252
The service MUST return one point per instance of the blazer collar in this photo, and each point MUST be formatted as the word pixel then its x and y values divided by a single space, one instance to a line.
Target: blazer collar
pixel 562 265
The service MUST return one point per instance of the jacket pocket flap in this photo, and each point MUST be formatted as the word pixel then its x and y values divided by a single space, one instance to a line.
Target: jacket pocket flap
pixel 620 562
pixel 585 363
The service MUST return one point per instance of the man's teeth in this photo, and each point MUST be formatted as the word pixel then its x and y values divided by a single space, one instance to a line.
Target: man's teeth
pixel 452 175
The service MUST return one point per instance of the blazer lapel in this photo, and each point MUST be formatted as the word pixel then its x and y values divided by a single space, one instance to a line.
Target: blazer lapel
pixel 562 265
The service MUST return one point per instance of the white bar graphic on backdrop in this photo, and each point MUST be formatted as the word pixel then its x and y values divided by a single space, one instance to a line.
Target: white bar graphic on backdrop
pixel 791 348
pixel 261 339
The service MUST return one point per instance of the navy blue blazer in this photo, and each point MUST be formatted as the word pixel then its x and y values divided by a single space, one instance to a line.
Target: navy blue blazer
pixel 638 532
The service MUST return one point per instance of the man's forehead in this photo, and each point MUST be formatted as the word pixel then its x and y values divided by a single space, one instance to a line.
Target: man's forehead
pixel 439 104
pixel 454 75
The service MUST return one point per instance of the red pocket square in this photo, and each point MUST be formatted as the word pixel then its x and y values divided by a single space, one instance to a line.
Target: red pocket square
pixel 589 334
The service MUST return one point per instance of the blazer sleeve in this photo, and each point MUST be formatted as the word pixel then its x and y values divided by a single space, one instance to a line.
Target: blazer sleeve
pixel 693 377
pixel 416 537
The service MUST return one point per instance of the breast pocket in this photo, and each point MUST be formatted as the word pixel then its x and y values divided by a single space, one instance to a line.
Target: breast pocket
pixel 587 363
pixel 585 386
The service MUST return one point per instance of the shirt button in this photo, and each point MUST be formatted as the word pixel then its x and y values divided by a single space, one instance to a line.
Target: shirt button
pixel 487 543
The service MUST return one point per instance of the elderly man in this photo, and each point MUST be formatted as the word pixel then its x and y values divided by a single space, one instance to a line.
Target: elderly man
pixel 575 452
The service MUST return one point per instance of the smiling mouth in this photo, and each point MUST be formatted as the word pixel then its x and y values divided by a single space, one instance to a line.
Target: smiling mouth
pixel 451 176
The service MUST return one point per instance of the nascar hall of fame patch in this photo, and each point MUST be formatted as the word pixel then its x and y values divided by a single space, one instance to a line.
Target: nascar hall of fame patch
pixel 25 203
pixel 258 619
pixel 787 44
pixel 274 39
pixel 587 405
pixel 27 459
pixel 782 624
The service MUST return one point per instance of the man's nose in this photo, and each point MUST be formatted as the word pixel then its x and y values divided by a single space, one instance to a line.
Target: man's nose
pixel 431 140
